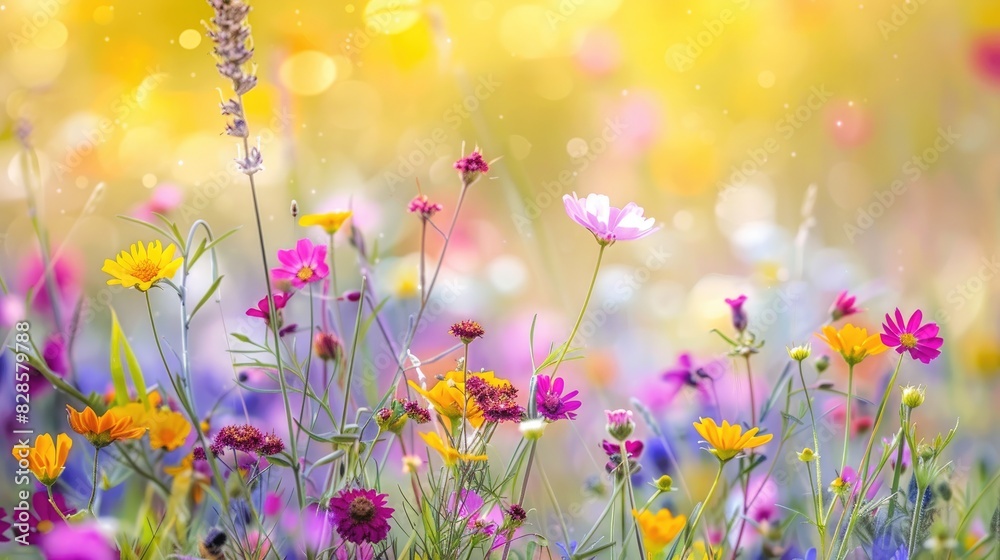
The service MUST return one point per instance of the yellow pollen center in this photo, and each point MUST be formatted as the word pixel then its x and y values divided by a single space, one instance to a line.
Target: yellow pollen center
pixel 908 340
pixel 305 273
pixel 145 270
pixel 44 526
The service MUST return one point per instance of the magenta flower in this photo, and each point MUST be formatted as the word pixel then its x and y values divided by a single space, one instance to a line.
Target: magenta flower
pixel 303 265
pixel 551 402
pixel 608 224
pixel 850 476
pixel 633 448
pixel 686 373
pixel 77 541
pixel 360 515
pixel 471 167
pixel 423 206
pixel 843 306
pixel 739 314
pixel 4 525
pixel 263 311
pixel 922 341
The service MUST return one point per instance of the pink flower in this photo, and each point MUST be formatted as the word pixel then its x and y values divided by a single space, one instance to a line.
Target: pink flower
pixel 423 206
pixel 739 314
pixel 163 200
pixel 303 265
pixel 843 306
pixel 922 341
pixel 608 224
pixel 263 309
pixel 471 167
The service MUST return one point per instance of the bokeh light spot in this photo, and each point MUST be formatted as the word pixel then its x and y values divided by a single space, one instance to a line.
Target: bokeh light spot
pixel 391 16
pixel 308 72
pixel 104 15
pixel 526 31
pixel 51 36
pixel 766 79
pixel 189 39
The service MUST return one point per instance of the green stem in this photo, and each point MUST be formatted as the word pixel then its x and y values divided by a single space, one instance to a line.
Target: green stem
pixel 701 510
pixel 93 491
pixel 583 311
pixel 631 498
pixel 899 463
pixel 915 523
pixel 817 489
pixel 52 502
pixel 847 417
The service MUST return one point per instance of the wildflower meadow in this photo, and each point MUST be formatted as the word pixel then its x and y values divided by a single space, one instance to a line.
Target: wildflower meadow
pixel 461 280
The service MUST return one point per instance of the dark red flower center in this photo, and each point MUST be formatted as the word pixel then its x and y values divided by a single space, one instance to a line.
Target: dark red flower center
pixel 362 510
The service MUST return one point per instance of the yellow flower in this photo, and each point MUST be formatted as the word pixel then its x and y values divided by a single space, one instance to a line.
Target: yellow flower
pixel 853 343
pixel 141 267
pixel 102 431
pixel 187 479
pixel 448 398
pixel 660 528
pixel 167 429
pixel 728 441
pixel 448 453
pixel 330 221
pixel 46 460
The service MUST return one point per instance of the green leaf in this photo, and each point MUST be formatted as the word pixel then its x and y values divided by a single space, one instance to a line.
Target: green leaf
pixel 153 227
pixel 204 299
pixel 325 460
pixel 279 460
pixel 207 246
pixel 120 345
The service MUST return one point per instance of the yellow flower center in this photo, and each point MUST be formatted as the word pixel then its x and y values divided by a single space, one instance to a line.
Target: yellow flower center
pixel 145 270
pixel 908 340
pixel 44 526
pixel 305 273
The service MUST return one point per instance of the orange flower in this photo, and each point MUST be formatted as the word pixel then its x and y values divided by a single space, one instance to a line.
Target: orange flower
pixel 660 528
pixel 46 460
pixel 448 397
pixel 729 441
pixel 167 429
pixel 102 431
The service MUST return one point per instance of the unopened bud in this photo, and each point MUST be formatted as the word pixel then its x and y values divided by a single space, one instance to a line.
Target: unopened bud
pixel 295 209
pixel 913 396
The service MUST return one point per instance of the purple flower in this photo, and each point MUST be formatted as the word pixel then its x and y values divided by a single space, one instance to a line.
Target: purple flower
pixel 78 541
pixel 608 224
pixel 471 167
pixel 498 403
pixel 263 309
pixel 466 331
pixel 551 402
pixel 360 515
pixel 242 437
pixel 843 306
pixel 850 476
pixel 303 265
pixel 4 525
pixel 922 341
pixel 613 450
pixel 686 373
pixel 423 206
pixel 739 314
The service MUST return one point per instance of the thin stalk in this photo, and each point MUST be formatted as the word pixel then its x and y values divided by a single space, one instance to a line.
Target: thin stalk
pixel 753 399
pixel 524 489
pixel 631 499
pixel 898 469
pixel 583 311
pixel 52 502
pixel 701 510
pixel 93 491
pixel 847 418
pixel 918 510
pixel 817 489
pixel 350 365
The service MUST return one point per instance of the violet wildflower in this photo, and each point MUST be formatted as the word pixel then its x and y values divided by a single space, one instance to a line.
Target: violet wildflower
pixel 271 445
pixel 620 424
pixel 415 412
pixel 515 516
pixel 498 402
pixel 633 450
pixel 843 306
pixel 230 32
pixel 739 314
pixel 607 223
pixel 238 437
pixel 471 167
pixel 922 341
pixel 360 515
pixel 551 402
pixel 466 331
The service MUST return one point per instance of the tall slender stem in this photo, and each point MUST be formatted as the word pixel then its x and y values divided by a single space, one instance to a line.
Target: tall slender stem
pixel 753 399
pixel 816 489
pixel 847 417
pixel 918 509
pixel 93 490
pixel 631 499
pixel 701 510
pixel 583 311
pixel 898 467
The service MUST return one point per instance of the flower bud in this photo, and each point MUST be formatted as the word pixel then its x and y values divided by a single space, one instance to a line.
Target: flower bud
pixel 808 455
pixel 327 346
pixel 822 363
pixel 412 463
pixel 664 483
pixel 620 424
pixel 740 319
pixel 913 396
pixel 390 420
pixel 800 352
pixel 839 486
pixel 532 429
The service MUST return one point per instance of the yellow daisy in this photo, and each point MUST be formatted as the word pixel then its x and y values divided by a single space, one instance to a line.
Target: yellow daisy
pixel 728 441
pixel 660 528
pixel 167 429
pixel 330 221
pixel 852 343
pixel 141 267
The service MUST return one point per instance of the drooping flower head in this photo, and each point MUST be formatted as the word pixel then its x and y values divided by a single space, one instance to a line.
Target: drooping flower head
pixel 142 266
pixel 422 206
pixel 331 222
pixel 327 346
pixel 303 265
pixel 659 529
pixel 551 402
pixel 740 319
pixel 471 167
pixel 728 441
pixel 607 223
pixel 449 454
pixel 843 306
pixel 466 331
pixel 852 343
pixel 102 431
pixel 361 515
pixel 921 341
pixel 46 460
pixel 263 309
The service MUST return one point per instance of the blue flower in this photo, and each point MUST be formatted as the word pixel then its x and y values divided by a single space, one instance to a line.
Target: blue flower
pixel 567 552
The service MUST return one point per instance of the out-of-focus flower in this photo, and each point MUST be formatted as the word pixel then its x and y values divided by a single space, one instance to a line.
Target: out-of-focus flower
pixel 728 441
pixel 664 484
pixel 685 373
pixel 853 481
pixel 852 343
pixel 102 431
pixel 230 32
pixel 11 310
pixel 740 319
pixel 913 396
pixel 607 223
pixel 620 424
pixel 303 265
pixel 412 463
pixel 163 200
pixel 65 272
pixel 326 345
pixel 331 222
pixel 167 429
pixel 44 517
pixel 54 353
pixel 986 57
pixel 142 266
pixel 659 529
pixel 800 352
pixel 422 206
pixel 361 515
pixel 449 454
pixel 922 341
pixel 4 525
pixel 886 442
pixel 466 331
pixel 843 306
pixel 471 167
pixel 532 429
pixel 189 477
pixel 350 295
pixel 46 460
pixel 807 455
pixel 822 363
pixel 550 400
pixel 76 541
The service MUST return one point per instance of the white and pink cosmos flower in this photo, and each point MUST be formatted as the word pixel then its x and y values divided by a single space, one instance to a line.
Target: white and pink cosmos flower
pixel 607 223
